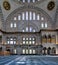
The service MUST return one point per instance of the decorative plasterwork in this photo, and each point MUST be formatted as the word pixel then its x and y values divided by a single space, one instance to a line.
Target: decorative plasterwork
pixel 6 5
pixel 51 5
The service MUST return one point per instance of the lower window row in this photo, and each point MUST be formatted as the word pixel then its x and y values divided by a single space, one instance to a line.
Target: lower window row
pixel 28 51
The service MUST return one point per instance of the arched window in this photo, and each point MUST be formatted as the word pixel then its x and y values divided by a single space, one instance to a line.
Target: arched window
pixel 42 18
pixel 53 39
pixel 44 51
pixel 29 29
pixel 23 16
pixel 19 17
pixel 46 25
pixel 13 25
pixel 44 39
pixel 28 15
pixel 34 17
pixel 49 39
pixel 38 17
pixel 42 25
pixel 15 18
pixel 49 50
pixel 53 50
pixel 28 1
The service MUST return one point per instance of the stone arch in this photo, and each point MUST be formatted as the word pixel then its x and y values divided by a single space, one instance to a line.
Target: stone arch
pixel 53 50
pixel 29 7
pixel 9 19
pixel 44 50
pixel 49 50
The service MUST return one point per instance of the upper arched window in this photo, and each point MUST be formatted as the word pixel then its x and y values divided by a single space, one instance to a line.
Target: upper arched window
pixel 28 15
pixel 29 29
pixel 28 1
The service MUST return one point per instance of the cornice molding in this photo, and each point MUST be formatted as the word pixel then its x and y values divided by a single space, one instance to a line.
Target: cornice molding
pixel 46 30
